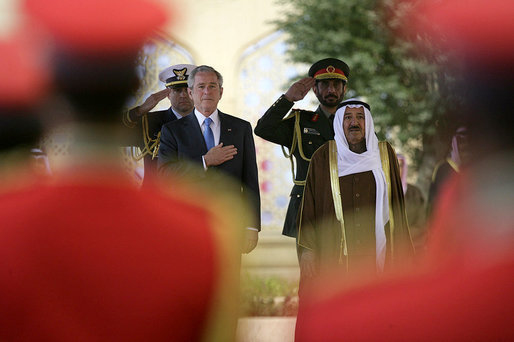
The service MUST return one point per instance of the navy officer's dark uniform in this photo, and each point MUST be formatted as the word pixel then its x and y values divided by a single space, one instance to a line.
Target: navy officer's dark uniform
pixel 150 124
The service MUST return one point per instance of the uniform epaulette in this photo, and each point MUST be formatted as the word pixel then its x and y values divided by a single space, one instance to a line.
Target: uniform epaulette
pixel 300 112
pixel 305 112
pixel 292 113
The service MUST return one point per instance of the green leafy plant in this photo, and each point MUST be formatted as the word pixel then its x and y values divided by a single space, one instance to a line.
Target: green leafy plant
pixel 268 296
pixel 408 90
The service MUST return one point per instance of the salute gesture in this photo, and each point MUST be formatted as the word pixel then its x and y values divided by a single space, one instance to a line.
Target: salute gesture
pixel 299 89
pixel 151 102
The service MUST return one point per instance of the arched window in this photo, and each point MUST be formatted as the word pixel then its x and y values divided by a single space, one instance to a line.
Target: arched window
pixel 264 74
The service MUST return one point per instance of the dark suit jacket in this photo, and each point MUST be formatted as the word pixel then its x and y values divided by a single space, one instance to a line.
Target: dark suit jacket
pixel 183 145
pixel 315 131
pixel 443 171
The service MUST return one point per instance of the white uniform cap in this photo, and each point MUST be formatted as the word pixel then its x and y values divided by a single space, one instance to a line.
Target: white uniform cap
pixel 176 75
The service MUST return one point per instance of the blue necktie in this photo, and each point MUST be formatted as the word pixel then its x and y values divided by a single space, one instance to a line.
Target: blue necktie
pixel 207 134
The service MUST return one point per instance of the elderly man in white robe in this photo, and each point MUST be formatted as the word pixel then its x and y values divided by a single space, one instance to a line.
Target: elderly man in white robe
pixel 353 212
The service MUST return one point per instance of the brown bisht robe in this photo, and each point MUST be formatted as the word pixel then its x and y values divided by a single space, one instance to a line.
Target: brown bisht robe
pixel 320 231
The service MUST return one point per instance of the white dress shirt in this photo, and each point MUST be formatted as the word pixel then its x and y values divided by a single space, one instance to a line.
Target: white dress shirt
pixel 215 125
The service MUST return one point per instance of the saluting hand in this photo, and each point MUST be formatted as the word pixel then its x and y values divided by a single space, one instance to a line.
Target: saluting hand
pixel 219 154
pixel 299 89
pixel 151 102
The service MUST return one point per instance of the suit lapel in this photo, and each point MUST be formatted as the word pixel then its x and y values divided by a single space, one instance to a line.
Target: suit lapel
pixel 170 115
pixel 192 127
pixel 225 129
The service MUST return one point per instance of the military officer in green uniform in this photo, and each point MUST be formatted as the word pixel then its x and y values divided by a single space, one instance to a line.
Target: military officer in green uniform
pixel 302 131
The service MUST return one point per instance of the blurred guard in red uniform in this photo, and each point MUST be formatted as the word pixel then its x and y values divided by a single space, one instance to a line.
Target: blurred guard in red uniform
pixel 88 257
pixel 25 81
pixel 464 293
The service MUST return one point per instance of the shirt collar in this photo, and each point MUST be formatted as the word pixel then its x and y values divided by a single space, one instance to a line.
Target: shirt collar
pixel 214 117
pixel 177 115
pixel 327 114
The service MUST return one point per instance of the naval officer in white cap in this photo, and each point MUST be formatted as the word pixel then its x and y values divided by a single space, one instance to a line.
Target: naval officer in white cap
pixel 175 79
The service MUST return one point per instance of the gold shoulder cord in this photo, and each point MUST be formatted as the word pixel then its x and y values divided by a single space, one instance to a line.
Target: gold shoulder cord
pixel 297 140
pixel 151 145
pixel 336 196
pixel 384 157
pixel 436 169
pixel 453 164
pixel 127 121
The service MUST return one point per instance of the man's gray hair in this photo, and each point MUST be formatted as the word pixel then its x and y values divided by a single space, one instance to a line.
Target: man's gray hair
pixel 203 68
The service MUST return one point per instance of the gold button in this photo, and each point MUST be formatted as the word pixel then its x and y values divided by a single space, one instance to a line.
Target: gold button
pixel 310 142
pixel 357 195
